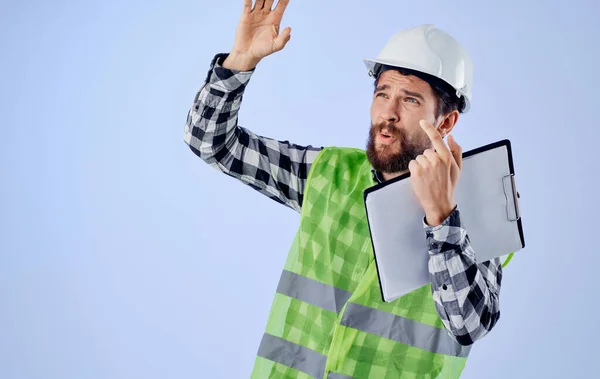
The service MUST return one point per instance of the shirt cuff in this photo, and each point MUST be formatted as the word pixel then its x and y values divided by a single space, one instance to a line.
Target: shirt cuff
pixel 450 231
pixel 227 80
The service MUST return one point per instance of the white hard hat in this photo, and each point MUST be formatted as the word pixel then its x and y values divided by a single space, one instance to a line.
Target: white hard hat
pixel 427 49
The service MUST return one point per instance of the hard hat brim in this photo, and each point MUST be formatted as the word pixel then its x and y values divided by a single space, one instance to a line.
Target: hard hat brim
pixel 372 63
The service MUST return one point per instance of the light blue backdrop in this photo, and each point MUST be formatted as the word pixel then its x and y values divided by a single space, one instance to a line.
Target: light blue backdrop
pixel 122 255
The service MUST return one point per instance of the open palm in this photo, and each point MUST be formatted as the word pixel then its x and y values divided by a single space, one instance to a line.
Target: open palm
pixel 258 35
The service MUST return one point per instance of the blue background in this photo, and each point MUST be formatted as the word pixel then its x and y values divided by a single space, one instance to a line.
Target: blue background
pixel 122 255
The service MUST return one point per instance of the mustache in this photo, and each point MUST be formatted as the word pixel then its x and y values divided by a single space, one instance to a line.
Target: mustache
pixel 377 128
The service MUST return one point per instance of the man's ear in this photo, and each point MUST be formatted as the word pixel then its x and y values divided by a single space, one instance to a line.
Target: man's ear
pixel 447 122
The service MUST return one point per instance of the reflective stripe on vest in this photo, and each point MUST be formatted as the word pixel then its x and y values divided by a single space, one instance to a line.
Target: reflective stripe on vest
pixel 312 292
pixel 403 330
pixel 292 355
pixel 370 320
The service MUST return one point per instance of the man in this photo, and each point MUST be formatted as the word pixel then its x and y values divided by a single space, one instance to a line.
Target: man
pixel 327 319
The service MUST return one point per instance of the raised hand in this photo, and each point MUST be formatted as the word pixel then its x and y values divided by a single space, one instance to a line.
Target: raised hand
pixel 434 175
pixel 258 34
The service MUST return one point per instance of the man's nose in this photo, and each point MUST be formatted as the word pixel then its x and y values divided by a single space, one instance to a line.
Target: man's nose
pixel 391 114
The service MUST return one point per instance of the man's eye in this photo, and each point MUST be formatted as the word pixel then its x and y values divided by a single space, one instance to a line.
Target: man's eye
pixel 412 100
pixel 381 94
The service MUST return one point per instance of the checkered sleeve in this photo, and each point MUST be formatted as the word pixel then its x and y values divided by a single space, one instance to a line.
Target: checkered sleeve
pixel 277 169
pixel 466 293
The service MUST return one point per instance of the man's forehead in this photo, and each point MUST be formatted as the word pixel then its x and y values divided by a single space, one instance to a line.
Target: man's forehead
pixel 396 79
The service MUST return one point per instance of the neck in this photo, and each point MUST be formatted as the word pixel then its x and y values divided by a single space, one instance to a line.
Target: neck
pixel 388 176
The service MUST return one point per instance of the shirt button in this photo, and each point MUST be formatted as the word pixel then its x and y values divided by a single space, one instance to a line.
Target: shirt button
pixel 444 287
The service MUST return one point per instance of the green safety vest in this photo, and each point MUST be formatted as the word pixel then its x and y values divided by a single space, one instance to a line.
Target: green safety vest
pixel 328 320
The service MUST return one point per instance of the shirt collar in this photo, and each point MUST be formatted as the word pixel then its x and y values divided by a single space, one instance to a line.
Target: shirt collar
pixel 377 177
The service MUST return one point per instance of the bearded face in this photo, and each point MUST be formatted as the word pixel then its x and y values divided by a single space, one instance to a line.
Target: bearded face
pixel 390 149
pixel 395 137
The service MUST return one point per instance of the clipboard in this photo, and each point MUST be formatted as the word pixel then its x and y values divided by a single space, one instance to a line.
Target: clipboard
pixel 488 203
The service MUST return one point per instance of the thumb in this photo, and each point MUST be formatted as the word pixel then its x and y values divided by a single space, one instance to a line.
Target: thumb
pixel 456 150
pixel 283 39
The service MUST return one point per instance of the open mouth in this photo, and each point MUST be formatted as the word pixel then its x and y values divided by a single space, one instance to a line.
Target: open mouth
pixel 386 136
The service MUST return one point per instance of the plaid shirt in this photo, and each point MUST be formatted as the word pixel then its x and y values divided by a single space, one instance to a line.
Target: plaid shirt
pixel 466 293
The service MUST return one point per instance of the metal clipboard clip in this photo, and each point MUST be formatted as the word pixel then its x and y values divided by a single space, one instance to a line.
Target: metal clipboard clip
pixel 512 198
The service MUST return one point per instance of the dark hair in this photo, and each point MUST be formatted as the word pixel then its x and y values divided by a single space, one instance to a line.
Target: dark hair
pixel 447 101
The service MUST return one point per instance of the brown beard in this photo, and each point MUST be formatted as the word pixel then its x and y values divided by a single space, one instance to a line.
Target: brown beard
pixel 391 159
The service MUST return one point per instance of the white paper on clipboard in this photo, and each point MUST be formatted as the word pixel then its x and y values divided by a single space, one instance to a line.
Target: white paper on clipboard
pixel 488 204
